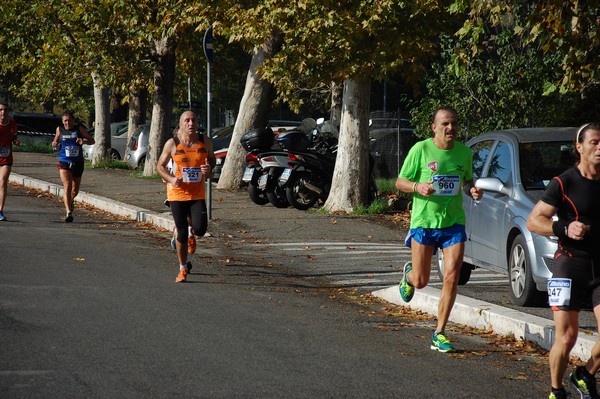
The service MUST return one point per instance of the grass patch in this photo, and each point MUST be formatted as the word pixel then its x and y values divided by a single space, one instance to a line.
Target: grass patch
pixel 108 164
pixel 32 145
pixel 386 186
pixel 377 207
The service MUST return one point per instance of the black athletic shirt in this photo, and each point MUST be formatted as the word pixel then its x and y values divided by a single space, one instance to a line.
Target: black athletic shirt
pixel 577 199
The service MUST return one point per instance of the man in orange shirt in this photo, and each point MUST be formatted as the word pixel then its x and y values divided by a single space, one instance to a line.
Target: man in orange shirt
pixel 193 157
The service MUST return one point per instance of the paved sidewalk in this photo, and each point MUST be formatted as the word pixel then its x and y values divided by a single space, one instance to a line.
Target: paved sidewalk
pixel 118 192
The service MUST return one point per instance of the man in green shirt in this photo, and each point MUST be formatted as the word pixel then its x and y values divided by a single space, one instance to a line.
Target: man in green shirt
pixel 437 170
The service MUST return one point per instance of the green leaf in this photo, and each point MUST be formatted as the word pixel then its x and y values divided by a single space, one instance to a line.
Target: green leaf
pixel 549 88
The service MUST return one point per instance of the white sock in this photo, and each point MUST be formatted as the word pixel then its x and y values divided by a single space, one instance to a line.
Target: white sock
pixel 182 267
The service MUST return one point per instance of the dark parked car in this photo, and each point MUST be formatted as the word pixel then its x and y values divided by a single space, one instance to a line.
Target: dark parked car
pixel 513 167
pixel 38 125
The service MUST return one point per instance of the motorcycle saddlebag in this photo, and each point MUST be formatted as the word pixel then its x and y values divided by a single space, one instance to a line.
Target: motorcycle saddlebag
pixel 261 138
pixel 293 140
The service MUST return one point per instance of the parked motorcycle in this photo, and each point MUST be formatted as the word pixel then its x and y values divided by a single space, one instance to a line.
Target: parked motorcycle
pixel 311 163
pixel 273 163
pixel 256 141
pixel 252 174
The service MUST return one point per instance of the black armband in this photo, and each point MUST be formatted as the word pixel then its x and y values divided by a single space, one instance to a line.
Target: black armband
pixel 560 228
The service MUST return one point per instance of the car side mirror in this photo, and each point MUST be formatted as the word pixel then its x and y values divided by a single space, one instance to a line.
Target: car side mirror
pixel 492 184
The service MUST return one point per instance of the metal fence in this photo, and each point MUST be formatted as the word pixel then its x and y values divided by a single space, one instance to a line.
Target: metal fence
pixel 391 137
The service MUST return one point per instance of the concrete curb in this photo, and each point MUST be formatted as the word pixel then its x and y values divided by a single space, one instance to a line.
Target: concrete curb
pixel 485 315
pixel 467 311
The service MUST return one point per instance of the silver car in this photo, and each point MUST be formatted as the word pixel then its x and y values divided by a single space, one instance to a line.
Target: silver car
pixel 118 141
pixel 513 167
pixel 137 147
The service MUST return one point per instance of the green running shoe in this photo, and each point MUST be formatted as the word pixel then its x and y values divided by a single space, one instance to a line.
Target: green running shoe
pixel 69 217
pixel 558 395
pixel 440 343
pixel 406 289
pixel 585 386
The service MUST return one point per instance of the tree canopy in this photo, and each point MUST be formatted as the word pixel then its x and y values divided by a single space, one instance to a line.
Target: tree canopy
pixel 568 27
pixel 498 74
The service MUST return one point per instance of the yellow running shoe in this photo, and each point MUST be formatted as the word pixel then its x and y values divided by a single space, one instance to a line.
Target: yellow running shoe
pixel 406 289
pixel 440 343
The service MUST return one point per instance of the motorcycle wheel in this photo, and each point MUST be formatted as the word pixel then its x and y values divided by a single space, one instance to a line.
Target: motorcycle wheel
pixel 276 194
pixel 297 195
pixel 257 196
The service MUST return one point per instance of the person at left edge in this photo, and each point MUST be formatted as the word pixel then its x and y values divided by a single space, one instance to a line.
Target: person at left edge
pixel 193 159
pixel 8 137
pixel 70 158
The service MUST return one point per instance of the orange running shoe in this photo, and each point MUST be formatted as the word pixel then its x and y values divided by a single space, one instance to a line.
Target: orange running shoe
pixel 182 276
pixel 191 244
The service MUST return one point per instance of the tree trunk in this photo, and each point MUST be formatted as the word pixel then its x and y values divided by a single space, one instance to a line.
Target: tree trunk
pixel 254 112
pixel 138 106
pixel 102 121
pixel 335 116
pixel 162 108
pixel 349 187
pixel 118 111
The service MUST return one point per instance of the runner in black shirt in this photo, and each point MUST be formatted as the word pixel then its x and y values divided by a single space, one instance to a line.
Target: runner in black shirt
pixel 573 197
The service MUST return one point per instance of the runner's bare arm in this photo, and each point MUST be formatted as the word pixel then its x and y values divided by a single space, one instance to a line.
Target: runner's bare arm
pixel 540 219
pixel 163 160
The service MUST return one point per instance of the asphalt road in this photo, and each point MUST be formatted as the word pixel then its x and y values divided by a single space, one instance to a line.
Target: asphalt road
pixel 90 309
pixel 349 251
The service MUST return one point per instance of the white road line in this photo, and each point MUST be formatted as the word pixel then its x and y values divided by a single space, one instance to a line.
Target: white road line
pixel 333 243
pixel 377 252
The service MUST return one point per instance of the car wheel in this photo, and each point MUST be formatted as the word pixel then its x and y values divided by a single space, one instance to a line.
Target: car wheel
pixel 114 155
pixel 523 290
pixel 258 196
pixel 465 270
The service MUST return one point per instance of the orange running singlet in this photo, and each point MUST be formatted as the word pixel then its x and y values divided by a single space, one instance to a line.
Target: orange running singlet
pixel 187 163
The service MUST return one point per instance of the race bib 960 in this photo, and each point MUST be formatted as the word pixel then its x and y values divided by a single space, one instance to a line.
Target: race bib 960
pixel 446 185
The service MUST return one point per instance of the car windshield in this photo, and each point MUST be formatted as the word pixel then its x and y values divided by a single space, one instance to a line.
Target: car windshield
pixel 122 130
pixel 541 161
pixel 224 132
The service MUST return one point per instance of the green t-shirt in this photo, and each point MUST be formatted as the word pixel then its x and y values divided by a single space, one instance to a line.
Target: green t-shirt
pixel 449 169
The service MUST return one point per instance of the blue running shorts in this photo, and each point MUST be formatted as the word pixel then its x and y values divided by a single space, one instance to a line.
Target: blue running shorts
pixel 439 238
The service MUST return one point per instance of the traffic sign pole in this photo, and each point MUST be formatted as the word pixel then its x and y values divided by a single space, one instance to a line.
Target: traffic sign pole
pixel 209 53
